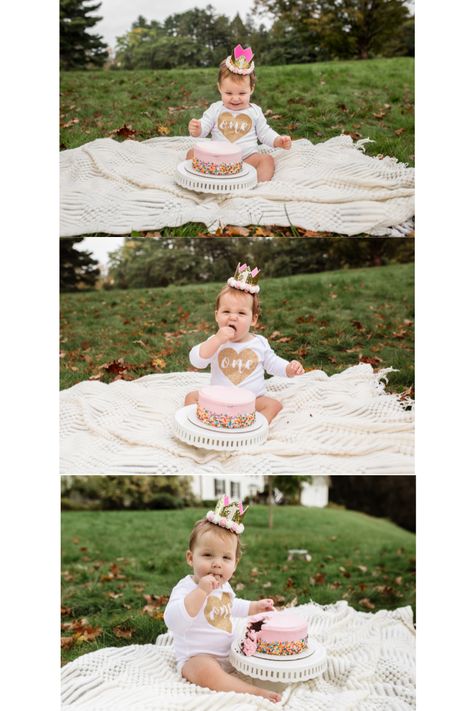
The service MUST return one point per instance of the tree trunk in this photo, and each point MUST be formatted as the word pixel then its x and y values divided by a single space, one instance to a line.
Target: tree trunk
pixel 270 501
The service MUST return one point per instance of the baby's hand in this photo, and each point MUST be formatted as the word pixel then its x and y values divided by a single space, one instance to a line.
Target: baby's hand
pixel 208 583
pixel 264 605
pixel 294 368
pixel 194 127
pixel 226 333
pixel 283 142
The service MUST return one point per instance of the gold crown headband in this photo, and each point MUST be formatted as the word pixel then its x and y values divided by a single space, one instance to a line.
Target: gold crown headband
pixel 228 515
pixel 240 61
pixel 245 279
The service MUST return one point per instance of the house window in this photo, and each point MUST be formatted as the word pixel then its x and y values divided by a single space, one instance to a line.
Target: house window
pixel 235 490
pixel 219 487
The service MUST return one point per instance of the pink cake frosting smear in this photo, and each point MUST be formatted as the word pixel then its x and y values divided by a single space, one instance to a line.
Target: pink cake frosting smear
pixel 217 158
pixel 281 634
pixel 226 407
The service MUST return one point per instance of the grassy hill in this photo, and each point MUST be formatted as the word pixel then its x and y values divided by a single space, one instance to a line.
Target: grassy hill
pixel 112 562
pixel 371 98
pixel 329 321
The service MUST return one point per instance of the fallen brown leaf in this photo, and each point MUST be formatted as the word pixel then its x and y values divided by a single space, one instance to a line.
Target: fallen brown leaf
pixel 236 231
pixel 70 123
pixel 123 632
pixel 158 363
pixel 263 232
pixel 124 131
pixel 374 362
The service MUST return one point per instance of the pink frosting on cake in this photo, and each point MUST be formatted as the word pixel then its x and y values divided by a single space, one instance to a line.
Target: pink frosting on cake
pixel 217 158
pixel 227 407
pixel 281 634
pixel 283 627
pixel 227 401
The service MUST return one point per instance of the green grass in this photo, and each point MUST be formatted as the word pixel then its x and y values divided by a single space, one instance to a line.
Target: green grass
pixel 372 98
pixel 110 560
pixel 331 319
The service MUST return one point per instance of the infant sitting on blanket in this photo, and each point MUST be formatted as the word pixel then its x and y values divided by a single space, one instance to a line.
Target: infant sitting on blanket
pixel 236 83
pixel 201 605
pixel 237 309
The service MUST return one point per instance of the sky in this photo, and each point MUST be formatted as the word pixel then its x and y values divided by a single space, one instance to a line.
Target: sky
pixel 118 15
pixel 100 248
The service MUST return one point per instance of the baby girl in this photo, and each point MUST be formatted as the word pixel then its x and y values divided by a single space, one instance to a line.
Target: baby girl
pixel 236 356
pixel 201 606
pixel 236 83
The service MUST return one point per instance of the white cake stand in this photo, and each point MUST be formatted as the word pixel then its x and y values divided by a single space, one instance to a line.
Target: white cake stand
pixel 207 437
pixel 190 179
pixel 284 670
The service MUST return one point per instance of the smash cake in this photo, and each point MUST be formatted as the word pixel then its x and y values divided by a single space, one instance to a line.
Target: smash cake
pixel 226 407
pixel 217 158
pixel 281 634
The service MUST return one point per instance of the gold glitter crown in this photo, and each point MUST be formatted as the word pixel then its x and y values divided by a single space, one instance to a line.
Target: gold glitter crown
pixel 245 279
pixel 228 514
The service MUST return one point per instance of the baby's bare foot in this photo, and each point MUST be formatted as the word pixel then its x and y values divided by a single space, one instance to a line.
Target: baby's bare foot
pixel 271 695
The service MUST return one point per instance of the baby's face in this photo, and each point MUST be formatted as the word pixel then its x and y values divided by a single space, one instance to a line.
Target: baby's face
pixel 235 310
pixel 215 554
pixel 235 95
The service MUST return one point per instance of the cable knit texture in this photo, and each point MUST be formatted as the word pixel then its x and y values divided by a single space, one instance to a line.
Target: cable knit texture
pixel 113 187
pixel 343 424
pixel 371 667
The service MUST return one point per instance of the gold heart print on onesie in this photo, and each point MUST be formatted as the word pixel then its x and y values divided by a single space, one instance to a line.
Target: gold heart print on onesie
pixel 234 127
pixel 217 611
pixel 237 366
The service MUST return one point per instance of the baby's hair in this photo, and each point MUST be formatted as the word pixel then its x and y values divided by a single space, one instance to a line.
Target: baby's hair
pixel 203 526
pixel 225 73
pixel 230 290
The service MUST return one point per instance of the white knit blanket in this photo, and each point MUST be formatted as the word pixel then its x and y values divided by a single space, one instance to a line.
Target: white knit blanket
pixel 113 187
pixel 371 667
pixel 343 424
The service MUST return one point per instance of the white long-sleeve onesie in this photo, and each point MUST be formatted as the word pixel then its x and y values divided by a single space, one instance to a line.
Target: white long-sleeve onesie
pixel 211 631
pixel 242 364
pixel 241 127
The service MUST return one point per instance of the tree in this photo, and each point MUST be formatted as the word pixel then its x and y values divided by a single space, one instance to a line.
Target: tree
pixel 392 497
pixel 363 26
pixel 339 28
pixel 79 48
pixel 148 263
pixel 195 38
pixel 77 269
pixel 108 493
pixel 291 487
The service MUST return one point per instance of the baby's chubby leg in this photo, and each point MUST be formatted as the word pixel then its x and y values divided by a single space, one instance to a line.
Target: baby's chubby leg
pixel 191 398
pixel 268 407
pixel 204 670
pixel 264 164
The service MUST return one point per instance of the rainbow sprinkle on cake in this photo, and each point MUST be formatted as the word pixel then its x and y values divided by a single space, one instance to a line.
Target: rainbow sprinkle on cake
pixel 216 168
pixel 282 649
pixel 228 421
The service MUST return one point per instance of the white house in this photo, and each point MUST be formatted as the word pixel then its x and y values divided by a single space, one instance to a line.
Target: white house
pixel 315 493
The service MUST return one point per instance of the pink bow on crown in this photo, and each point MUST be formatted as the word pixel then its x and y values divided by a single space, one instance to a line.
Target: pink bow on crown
pixel 239 51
